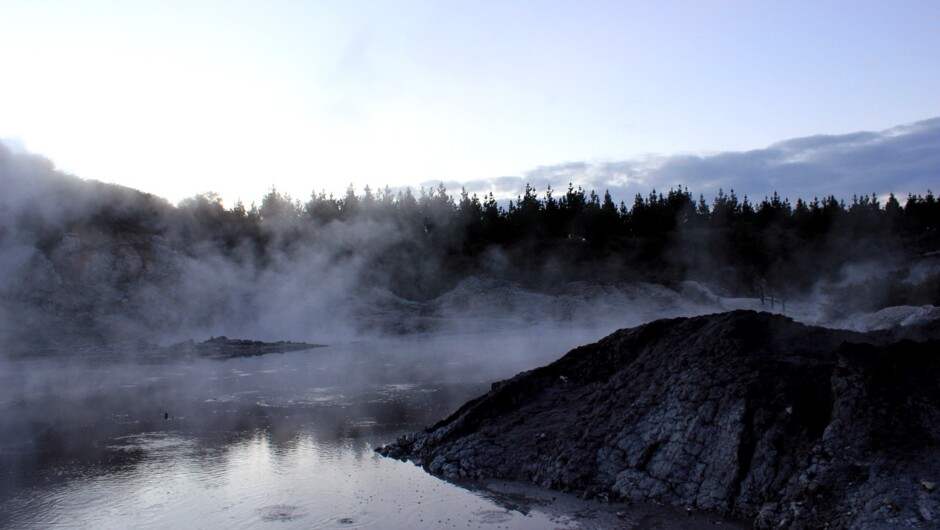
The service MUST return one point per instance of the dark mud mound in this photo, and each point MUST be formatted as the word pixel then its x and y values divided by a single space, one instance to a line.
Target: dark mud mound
pixel 744 414
pixel 226 348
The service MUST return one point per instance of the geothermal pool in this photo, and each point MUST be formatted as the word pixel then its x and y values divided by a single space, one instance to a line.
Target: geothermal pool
pixel 277 441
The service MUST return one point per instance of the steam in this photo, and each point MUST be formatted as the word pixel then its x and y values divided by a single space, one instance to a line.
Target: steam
pixel 85 261
pixel 62 271
pixel 69 276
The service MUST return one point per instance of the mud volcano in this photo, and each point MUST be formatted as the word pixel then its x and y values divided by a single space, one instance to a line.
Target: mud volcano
pixel 745 414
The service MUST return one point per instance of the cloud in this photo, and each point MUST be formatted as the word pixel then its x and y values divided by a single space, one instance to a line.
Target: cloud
pixel 900 160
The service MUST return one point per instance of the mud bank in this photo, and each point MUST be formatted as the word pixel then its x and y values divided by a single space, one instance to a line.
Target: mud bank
pixel 744 414
pixel 226 348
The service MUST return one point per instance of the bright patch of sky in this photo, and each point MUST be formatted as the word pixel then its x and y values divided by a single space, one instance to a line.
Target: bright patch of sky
pixel 182 97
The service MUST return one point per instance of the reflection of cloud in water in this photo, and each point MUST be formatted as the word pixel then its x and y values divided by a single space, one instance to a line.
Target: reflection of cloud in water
pixel 402 387
pixel 281 513
pixel 152 442
pixel 492 516
pixel 364 422
pixel 233 397
pixel 313 397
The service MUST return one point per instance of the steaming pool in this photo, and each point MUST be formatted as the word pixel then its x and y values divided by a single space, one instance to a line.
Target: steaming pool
pixel 276 441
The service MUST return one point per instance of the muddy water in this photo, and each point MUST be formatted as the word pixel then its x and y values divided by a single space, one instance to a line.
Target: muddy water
pixel 278 441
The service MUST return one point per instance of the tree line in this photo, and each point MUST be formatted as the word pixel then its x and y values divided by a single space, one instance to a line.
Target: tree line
pixel 576 234
pixel 575 214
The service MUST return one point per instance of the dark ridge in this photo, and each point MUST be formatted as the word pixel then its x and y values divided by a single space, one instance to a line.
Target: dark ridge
pixel 744 414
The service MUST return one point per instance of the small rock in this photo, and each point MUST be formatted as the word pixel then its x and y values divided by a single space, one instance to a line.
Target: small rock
pixel 928 485
pixel 926 513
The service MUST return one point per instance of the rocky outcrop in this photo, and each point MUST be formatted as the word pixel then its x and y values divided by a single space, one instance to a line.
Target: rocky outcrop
pixel 743 413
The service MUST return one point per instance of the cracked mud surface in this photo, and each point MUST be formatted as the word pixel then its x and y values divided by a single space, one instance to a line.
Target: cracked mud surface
pixel 743 414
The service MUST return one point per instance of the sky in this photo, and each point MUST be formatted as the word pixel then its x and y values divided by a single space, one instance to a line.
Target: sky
pixel 180 97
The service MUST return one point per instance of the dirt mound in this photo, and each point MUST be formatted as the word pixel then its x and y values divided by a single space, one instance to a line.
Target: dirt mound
pixel 743 413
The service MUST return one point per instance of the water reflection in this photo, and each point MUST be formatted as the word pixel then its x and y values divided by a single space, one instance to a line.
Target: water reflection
pixel 247 443
pixel 119 443
pixel 168 479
